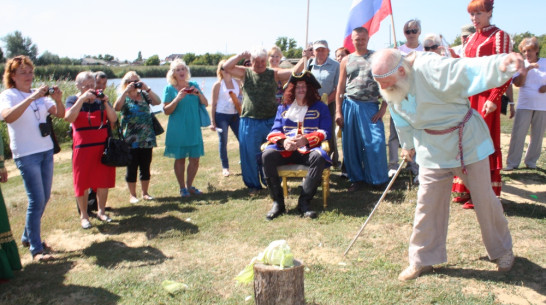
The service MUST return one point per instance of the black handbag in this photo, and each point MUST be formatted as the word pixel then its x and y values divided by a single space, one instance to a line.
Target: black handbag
pixel 504 103
pixel 56 147
pixel 116 151
pixel 158 129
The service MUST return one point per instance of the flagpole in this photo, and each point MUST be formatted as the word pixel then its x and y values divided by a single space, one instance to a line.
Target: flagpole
pixel 393 31
pixel 307 27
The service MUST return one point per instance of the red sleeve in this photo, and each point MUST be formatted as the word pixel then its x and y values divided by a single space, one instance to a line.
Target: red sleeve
pixel 314 138
pixel 275 136
pixel 503 44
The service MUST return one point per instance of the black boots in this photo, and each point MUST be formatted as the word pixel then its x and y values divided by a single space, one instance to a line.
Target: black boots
pixel 275 191
pixel 308 191
pixel 303 205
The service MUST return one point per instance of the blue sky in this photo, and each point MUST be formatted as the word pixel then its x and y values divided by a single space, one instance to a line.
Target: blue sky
pixel 122 28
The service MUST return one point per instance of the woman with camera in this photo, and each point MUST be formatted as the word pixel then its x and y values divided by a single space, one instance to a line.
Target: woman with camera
pixel 25 110
pixel 90 113
pixel 136 122
pixel 184 139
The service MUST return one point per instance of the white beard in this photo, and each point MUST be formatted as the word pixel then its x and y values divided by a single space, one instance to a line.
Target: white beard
pixel 398 92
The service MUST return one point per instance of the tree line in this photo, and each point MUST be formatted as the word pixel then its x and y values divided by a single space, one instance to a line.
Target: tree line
pixel 16 44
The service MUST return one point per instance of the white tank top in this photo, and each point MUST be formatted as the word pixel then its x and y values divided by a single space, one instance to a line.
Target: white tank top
pixel 224 104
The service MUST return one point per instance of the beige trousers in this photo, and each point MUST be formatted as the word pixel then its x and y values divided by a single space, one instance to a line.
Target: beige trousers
pixel 428 240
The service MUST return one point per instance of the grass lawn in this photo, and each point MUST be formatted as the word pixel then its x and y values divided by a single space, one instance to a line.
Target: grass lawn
pixel 204 241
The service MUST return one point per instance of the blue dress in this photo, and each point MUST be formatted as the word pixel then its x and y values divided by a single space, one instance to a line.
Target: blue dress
pixel 184 138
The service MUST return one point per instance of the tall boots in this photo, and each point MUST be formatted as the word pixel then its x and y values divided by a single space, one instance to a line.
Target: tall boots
pixel 275 191
pixel 304 201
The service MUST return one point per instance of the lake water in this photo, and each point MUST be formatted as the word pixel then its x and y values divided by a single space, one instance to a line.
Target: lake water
pixel 158 84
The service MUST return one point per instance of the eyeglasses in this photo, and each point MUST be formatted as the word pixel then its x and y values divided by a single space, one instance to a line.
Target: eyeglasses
pixel 433 47
pixel 412 31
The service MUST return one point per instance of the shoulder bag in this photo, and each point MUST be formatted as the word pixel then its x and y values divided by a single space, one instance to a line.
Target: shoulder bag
pixel 56 147
pixel 158 129
pixel 116 151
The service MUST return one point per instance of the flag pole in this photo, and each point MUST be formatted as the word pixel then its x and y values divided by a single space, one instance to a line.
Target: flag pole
pixel 393 31
pixel 307 27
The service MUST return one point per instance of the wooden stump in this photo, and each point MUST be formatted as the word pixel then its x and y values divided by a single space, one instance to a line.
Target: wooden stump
pixel 273 286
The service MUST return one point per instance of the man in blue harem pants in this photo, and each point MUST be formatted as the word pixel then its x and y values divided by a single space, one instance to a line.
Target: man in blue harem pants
pixel 358 113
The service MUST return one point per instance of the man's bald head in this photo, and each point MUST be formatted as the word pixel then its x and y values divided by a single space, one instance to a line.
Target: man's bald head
pixel 386 62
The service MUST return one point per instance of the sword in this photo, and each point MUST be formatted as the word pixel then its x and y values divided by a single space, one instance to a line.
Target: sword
pixel 376 205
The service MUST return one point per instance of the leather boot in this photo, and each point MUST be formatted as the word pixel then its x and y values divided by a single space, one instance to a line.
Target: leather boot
pixel 308 192
pixel 275 191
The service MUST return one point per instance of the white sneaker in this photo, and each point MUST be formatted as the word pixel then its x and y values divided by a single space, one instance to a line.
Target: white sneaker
pixel 133 200
pixel 505 262
pixel 392 172
pixel 413 272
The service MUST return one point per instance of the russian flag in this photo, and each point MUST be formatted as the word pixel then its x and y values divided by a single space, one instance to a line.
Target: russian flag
pixel 368 14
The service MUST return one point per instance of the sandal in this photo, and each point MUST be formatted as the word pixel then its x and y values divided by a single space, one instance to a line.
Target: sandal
pixel 43 257
pixel 86 224
pixel 195 191
pixel 184 193
pixel 147 197
pixel 104 218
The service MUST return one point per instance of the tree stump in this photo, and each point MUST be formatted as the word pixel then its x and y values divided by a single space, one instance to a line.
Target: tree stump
pixel 276 286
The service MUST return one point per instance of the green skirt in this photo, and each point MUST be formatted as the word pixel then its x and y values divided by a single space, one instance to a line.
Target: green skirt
pixel 9 255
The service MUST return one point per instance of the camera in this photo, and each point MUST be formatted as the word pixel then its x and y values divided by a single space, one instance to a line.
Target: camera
pixel 138 85
pixel 49 91
pixel 99 93
pixel 188 90
pixel 44 129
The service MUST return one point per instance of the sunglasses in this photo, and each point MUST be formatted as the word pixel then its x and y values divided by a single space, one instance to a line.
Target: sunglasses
pixel 412 31
pixel 433 47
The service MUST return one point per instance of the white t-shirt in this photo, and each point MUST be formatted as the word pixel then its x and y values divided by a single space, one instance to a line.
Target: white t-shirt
pixel 24 134
pixel 224 104
pixel 405 50
pixel 529 97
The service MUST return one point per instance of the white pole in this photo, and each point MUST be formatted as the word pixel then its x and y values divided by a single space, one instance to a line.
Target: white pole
pixel 307 27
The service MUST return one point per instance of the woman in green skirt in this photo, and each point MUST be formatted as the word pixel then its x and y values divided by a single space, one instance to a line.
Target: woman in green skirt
pixel 9 255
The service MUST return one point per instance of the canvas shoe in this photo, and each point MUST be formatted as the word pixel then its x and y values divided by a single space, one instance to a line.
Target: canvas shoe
pixel 413 272
pixel 505 262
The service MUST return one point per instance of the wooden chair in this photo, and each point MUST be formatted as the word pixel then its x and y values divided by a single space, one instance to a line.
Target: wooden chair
pixel 300 171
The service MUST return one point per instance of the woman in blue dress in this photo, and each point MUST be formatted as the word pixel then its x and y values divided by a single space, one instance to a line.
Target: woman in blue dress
pixel 184 139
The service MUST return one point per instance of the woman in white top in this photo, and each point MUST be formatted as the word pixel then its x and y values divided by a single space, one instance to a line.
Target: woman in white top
pixel 226 109
pixel 25 111
pixel 412 30
pixel 531 108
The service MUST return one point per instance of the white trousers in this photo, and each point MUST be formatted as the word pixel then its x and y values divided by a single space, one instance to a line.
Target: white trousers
pixel 428 240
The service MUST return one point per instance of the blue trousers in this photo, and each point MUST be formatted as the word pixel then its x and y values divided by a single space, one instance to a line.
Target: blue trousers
pixel 37 173
pixel 363 142
pixel 225 121
pixel 252 134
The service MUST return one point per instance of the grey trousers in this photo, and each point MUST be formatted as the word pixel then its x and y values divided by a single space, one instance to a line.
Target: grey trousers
pixel 524 118
pixel 428 240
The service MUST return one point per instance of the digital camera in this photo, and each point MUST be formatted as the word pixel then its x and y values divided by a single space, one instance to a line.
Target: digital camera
pixel 188 90
pixel 99 93
pixel 138 85
pixel 49 91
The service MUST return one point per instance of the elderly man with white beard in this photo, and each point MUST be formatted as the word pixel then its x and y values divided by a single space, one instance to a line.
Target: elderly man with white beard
pixel 428 99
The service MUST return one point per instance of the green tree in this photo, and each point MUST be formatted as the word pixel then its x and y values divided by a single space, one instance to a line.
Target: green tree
pixel 48 58
pixel 108 57
pixel 16 44
pixel 1 55
pixel 152 61
pixel 285 43
pixel 139 57
pixel 189 58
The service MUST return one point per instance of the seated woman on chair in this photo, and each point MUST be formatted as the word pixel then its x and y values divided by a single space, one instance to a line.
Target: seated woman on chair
pixel 301 124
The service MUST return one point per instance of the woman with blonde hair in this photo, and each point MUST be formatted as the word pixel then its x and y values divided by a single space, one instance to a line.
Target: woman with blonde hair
pixel 226 109
pixel 181 100
pixel 136 122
